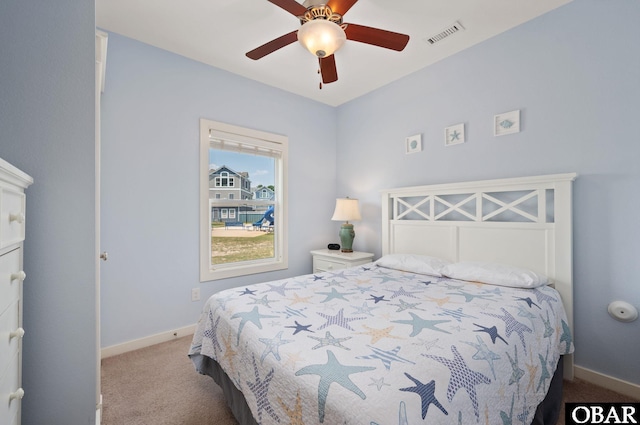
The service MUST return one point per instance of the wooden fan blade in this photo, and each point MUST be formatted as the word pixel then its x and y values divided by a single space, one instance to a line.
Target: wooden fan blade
pixel 377 37
pixel 273 45
pixel 341 6
pixel 328 69
pixel 290 6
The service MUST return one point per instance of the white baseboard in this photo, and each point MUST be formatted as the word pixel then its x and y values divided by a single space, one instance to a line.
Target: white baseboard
pixel 148 341
pixel 609 382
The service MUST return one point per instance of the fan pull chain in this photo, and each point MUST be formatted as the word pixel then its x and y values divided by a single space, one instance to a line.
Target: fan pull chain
pixel 320 84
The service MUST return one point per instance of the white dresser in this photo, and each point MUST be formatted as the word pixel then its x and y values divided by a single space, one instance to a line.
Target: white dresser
pixel 13 182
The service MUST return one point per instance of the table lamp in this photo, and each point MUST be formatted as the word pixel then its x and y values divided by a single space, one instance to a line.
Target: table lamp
pixel 347 209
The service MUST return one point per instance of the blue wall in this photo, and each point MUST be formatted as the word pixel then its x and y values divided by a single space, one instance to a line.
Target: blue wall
pixel 151 108
pixel 575 75
pixel 47 129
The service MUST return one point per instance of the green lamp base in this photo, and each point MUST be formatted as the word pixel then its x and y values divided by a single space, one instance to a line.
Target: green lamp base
pixel 346 237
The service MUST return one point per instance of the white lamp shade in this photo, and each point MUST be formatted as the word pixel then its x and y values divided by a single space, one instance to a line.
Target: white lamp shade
pixel 321 37
pixel 347 209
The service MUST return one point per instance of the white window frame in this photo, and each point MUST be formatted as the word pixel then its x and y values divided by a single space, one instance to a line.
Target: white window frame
pixel 262 141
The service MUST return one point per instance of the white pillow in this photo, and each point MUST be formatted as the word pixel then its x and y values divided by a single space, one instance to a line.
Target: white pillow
pixel 495 274
pixel 420 264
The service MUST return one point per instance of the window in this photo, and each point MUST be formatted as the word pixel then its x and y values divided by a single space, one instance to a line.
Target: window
pixel 224 180
pixel 236 161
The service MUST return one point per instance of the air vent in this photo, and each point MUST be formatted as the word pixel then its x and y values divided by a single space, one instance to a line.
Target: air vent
pixel 445 33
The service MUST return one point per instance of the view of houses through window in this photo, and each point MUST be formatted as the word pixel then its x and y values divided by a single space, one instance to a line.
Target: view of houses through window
pixel 241 231
pixel 244 201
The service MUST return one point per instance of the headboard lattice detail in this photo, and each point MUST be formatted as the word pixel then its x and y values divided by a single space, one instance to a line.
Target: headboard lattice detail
pixel 479 206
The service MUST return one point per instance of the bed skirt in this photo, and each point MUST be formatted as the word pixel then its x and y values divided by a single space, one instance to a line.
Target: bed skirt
pixel 235 399
pixel 547 412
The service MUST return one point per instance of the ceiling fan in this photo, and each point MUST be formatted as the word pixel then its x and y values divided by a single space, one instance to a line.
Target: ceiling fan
pixel 322 32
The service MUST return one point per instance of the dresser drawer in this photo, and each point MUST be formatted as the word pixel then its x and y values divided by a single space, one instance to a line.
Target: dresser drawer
pixel 10 278
pixel 10 384
pixel 12 216
pixel 9 344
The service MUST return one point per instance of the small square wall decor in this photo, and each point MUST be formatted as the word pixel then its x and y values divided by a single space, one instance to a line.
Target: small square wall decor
pixel 454 135
pixel 506 123
pixel 413 143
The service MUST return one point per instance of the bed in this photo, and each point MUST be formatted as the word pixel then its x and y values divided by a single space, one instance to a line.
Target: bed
pixel 465 318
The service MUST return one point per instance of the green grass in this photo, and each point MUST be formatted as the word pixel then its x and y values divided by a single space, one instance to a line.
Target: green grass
pixel 231 250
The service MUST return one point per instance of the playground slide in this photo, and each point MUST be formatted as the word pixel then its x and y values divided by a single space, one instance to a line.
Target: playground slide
pixel 268 215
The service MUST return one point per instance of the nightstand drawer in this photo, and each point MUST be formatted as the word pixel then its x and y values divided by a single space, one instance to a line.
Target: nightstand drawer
pixel 323 265
pixel 325 260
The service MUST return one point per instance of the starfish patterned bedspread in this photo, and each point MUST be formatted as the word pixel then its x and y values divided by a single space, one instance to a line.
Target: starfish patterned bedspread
pixel 376 346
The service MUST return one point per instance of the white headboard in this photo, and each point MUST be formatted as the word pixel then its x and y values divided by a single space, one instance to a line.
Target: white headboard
pixel 524 222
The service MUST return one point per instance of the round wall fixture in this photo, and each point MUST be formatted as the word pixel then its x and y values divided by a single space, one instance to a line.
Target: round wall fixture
pixel 623 311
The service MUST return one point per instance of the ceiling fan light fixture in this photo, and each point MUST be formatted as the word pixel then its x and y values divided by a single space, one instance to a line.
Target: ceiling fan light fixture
pixel 321 37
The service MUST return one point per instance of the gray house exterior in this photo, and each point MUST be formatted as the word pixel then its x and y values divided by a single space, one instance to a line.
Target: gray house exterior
pixel 228 184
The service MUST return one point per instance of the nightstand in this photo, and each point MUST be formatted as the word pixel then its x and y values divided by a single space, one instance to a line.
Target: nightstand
pixel 325 260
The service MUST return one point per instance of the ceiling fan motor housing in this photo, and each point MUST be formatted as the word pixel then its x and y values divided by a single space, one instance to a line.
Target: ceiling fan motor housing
pixel 321 11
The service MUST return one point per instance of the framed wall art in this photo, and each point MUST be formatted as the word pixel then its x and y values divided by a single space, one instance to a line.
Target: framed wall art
pixel 413 143
pixel 506 123
pixel 454 135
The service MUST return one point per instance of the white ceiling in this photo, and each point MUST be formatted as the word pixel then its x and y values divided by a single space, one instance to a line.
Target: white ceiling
pixel 220 32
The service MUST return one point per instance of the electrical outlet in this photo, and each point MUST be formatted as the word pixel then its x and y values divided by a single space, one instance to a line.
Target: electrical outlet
pixel 195 294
